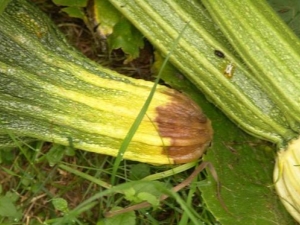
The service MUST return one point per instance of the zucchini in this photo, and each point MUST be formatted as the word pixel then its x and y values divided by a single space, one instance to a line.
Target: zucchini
pixel 268 47
pixel 253 78
pixel 242 97
pixel 271 50
pixel 50 91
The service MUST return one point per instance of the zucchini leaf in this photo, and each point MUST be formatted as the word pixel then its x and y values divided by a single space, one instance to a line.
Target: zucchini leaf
pixel 289 11
pixel 105 17
pixel 244 166
pixel 74 8
pixel 71 3
pixel 74 12
pixel 126 37
pixel 120 33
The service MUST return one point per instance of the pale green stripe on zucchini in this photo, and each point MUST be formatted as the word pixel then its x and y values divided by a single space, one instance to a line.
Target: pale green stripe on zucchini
pixel 242 98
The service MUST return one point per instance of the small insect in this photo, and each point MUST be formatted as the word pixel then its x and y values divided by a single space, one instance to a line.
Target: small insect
pixel 219 54
pixel 228 72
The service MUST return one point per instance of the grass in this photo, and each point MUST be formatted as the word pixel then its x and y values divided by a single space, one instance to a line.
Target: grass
pixel 76 189
pixel 45 183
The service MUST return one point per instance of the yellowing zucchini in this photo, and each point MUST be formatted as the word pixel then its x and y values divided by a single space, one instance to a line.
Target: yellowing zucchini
pixel 253 78
pixel 51 92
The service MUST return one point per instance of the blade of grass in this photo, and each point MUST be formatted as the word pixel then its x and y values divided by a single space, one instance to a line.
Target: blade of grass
pixel 143 111
pixel 3 4
pixel 85 176
pixel 17 143
pixel 171 172
pixel 185 218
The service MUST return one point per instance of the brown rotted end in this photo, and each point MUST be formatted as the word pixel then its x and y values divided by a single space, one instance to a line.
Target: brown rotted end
pixel 189 129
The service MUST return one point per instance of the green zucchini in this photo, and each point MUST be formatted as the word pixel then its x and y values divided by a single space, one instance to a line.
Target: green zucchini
pixel 268 47
pixel 50 91
pixel 258 89
pixel 242 97
pixel 272 51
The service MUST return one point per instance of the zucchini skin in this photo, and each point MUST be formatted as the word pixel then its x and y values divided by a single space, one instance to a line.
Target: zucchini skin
pixel 50 91
pixel 242 97
pixel 269 48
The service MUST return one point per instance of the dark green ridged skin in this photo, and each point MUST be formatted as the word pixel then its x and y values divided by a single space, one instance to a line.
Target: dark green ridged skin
pixel 242 97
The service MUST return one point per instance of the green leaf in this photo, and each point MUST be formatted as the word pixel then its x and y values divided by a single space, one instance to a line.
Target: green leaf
pixel 106 16
pixel 139 171
pixel 120 33
pixel 55 154
pixel 152 199
pixel 244 166
pixel 60 204
pixel 12 196
pixel 8 208
pixel 6 156
pixel 127 218
pixel 126 37
pixel 75 12
pixel 289 11
pixel 3 4
pixel 141 192
pixel 76 3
